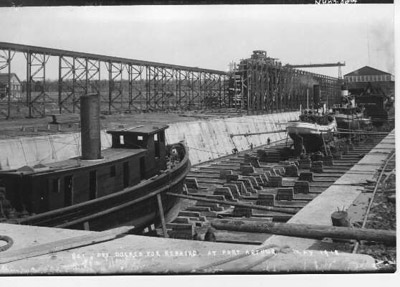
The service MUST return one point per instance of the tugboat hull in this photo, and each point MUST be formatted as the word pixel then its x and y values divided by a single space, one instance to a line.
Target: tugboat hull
pixel 310 135
pixel 134 206
pixel 345 122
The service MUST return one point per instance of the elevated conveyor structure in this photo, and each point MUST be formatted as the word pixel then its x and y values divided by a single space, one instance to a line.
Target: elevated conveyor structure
pixel 258 85
pixel 133 85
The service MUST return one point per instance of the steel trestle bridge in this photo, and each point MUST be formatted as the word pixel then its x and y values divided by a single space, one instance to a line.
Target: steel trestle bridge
pixel 130 85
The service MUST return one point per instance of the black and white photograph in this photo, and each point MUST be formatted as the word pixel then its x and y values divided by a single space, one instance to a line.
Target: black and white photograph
pixel 214 139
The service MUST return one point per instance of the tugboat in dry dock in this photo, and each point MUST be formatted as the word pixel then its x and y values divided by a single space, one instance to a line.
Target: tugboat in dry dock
pixel 123 185
pixel 312 131
pixel 348 115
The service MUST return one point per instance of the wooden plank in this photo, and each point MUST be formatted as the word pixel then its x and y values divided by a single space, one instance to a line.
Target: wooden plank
pixel 233 203
pixel 64 244
pixel 308 230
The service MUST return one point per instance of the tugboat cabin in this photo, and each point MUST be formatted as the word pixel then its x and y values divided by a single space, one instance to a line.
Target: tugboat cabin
pixel 349 110
pixel 136 154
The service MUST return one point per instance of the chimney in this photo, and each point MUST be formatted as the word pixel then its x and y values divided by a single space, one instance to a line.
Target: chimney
pixel 90 127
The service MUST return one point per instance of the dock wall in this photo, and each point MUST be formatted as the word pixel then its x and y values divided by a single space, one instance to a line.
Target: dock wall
pixel 206 139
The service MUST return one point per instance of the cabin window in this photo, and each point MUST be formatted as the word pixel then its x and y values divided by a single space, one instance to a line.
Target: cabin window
pixel 156 146
pixel 121 140
pixel 113 171
pixel 140 138
pixel 68 194
pixel 56 185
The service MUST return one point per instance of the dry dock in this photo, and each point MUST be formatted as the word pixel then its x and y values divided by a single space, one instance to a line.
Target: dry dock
pixel 38 250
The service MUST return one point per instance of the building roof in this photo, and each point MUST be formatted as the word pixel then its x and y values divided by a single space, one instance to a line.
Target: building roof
pixel 367 71
pixel 4 78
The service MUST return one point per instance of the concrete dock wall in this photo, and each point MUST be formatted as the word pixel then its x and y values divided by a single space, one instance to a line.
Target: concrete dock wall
pixel 212 139
pixel 206 139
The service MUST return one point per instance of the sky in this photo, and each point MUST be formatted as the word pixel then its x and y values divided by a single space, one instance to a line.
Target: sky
pixel 211 36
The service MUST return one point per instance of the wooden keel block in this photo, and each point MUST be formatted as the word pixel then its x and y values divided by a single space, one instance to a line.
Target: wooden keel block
pixel 224 173
pixel 291 171
pixel 225 191
pixel 306 176
pixel 305 163
pixel 285 194
pixel 328 160
pixel 248 184
pixel 246 169
pixel 301 186
pixel 317 166
pixel 192 183
pixel 242 211
pixel 275 181
pixel 266 199
pixel 241 187
pixel 234 190
pixel 231 177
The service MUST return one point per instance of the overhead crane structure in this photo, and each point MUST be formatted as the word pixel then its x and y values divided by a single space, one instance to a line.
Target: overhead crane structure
pixel 262 83
pixel 338 64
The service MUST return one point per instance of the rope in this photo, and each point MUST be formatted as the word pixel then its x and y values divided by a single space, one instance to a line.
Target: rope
pixel 8 240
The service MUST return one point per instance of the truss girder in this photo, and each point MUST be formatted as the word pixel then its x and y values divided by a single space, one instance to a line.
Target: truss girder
pixel 38 98
pixel 137 88
pixel 77 76
pixel 133 85
pixel 118 101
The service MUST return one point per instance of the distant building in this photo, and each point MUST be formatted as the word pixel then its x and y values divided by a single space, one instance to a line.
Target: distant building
pixel 359 80
pixel 15 89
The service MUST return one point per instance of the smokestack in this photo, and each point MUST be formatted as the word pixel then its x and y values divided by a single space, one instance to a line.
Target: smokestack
pixel 316 95
pixel 90 127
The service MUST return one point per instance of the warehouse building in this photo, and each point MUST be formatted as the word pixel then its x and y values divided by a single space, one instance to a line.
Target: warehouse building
pixel 367 77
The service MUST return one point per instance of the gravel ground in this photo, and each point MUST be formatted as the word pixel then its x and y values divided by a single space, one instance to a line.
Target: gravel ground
pixel 18 127
pixel 382 215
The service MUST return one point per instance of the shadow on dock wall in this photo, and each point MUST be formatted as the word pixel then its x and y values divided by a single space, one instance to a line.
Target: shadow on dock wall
pixel 206 139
